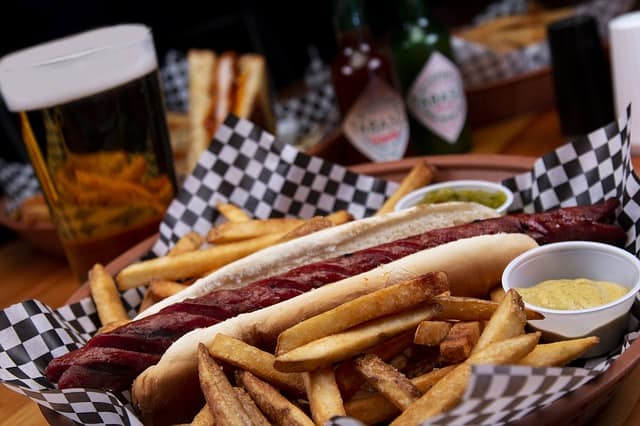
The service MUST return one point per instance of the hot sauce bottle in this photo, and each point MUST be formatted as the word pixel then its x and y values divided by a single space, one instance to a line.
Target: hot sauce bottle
pixel 431 82
pixel 374 120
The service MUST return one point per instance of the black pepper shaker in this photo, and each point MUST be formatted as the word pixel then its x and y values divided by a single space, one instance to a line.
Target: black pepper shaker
pixel 581 75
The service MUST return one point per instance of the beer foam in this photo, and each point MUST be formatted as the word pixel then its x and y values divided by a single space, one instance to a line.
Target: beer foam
pixel 75 67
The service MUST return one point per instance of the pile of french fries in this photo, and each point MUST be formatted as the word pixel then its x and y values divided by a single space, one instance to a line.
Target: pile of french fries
pixel 402 354
pixel 355 359
pixel 508 33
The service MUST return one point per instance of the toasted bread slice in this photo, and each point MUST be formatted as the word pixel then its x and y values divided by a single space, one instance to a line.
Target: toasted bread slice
pixel 201 73
pixel 224 87
pixel 222 84
pixel 252 94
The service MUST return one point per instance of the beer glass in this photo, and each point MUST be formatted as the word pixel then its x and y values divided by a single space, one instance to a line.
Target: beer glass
pixel 92 117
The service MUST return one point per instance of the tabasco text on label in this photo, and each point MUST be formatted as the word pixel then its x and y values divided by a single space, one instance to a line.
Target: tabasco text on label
pixel 377 124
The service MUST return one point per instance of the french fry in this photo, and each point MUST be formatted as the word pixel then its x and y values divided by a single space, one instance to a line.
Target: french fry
pixel 471 309
pixel 514 32
pixel 147 301
pixel 347 376
pixel 188 242
pixel 232 212
pixel 105 296
pixel 480 32
pixel 386 301
pixel 106 163
pixel 237 231
pixel 116 191
pixel 218 392
pixel 276 407
pixel 447 392
pixel 420 175
pixel 457 346
pixel 420 360
pixel 508 321
pixel 162 187
pixel 340 217
pixel 203 418
pixel 323 394
pixel 309 227
pixel 258 362
pixel 158 290
pixel 392 384
pixel 190 264
pixel 560 353
pixel 110 326
pixel 134 170
pixel 256 416
pixel 431 333
pixel 497 294
pixel 376 408
pixel 337 347
pixel 161 289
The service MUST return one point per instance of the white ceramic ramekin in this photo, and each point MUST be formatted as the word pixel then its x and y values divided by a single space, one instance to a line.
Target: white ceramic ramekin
pixel 416 196
pixel 579 259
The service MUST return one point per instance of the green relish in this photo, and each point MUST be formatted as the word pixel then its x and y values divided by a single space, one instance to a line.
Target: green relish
pixel 493 199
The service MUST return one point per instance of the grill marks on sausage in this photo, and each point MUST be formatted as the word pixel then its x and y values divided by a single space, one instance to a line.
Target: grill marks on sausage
pixel 113 360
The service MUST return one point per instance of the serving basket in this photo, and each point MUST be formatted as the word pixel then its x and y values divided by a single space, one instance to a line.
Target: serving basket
pixel 577 408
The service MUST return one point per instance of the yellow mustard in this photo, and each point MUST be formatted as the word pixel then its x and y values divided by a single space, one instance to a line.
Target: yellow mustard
pixel 571 294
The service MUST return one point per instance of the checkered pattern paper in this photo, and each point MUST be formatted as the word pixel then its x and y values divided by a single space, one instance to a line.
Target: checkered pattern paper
pixel 529 388
pixel 31 334
pixel 586 171
pixel 17 183
pixel 314 111
pixel 175 81
pixel 247 166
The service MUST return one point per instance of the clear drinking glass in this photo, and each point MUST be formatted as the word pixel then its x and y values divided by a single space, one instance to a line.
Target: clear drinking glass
pixel 93 122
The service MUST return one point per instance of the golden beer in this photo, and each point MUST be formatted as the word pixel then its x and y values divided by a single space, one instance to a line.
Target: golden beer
pixel 93 122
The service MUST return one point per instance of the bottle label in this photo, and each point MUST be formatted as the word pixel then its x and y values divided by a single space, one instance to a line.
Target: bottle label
pixel 377 124
pixel 436 98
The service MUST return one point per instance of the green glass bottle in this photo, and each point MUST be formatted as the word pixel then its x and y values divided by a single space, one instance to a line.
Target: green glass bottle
pixel 431 82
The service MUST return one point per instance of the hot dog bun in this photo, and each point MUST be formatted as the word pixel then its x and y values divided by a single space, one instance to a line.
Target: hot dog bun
pixel 329 243
pixel 169 390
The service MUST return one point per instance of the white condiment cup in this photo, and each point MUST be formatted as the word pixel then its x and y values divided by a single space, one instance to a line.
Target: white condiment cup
pixel 579 259
pixel 416 196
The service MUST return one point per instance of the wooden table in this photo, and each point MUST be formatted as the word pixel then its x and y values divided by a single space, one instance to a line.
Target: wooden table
pixel 28 273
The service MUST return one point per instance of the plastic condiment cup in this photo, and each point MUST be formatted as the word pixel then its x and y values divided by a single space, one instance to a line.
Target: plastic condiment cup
pixel 414 197
pixel 579 259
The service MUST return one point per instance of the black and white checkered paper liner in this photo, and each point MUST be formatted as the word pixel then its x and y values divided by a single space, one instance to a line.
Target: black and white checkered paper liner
pixel 247 166
pixel 314 111
pixel 174 76
pixel 17 183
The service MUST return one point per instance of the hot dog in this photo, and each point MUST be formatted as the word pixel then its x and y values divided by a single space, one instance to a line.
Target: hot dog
pixel 455 250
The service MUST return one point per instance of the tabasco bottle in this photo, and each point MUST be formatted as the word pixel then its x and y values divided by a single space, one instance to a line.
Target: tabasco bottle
pixel 374 120
pixel 431 82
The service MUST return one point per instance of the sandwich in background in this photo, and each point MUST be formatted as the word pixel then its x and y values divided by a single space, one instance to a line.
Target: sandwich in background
pixel 223 84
